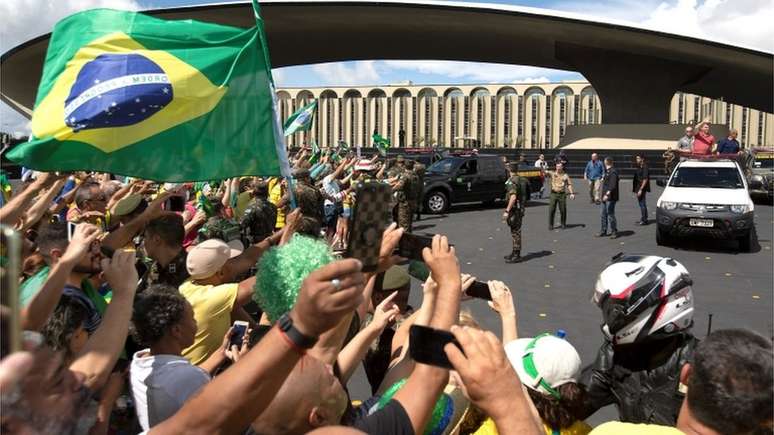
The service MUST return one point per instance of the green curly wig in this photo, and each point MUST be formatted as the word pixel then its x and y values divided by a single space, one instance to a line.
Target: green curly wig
pixel 281 271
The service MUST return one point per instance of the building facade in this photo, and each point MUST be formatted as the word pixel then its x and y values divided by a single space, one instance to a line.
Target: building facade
pixel 487 115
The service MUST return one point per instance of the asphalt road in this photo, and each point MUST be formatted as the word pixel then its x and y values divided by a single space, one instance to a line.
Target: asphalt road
pixel 552 289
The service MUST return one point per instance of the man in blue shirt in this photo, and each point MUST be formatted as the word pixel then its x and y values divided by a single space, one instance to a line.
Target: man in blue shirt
pixel 593 174
pixel 729 145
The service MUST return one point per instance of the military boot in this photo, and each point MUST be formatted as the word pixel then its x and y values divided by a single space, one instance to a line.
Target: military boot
pixel 514 258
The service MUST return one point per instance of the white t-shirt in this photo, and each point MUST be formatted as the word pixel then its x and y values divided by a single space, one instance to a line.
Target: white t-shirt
pixel 161 384
pixel 331 187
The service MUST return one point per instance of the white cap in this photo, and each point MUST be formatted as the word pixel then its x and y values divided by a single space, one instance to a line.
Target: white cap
pixel 208 257
pixel 555 359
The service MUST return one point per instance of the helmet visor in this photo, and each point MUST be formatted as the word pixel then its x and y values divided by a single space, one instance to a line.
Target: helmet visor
pixel 623 308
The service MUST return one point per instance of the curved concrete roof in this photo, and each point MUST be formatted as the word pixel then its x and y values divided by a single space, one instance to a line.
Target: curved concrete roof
pixel 313 31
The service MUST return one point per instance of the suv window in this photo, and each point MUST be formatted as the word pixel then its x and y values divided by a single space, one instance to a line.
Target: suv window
pixel 469 168
pixel 445 166
pixel 714 177
pixel 763 162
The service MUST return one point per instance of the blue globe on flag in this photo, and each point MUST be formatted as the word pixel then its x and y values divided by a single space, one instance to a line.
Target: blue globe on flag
pixel 116 90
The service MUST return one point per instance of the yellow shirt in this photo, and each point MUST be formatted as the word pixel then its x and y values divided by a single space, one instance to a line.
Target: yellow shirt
pixel 275 195
pixel 578 428
pixel 617 427
pixel 243 200
pixel 212 310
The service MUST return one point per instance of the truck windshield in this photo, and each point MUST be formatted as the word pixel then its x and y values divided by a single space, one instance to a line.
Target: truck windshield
pixel 719 178
pixel 766 162
pixel 444 166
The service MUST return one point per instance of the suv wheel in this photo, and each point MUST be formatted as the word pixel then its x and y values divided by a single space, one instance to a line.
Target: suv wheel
pixel 661 238
pixel 746 242
pixel 436 202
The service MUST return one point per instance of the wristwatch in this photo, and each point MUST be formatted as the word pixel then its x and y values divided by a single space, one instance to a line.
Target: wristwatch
pixel 285 324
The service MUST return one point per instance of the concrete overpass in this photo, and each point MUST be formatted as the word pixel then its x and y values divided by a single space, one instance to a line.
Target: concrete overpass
pixel 635 71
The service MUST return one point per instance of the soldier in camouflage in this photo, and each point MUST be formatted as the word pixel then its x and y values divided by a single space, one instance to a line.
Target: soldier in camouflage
pixel 260 216
pixel 413 192
pixel 401 183
pixel 219 226
pixel 308 198
pixel 516 190
pixel 419 170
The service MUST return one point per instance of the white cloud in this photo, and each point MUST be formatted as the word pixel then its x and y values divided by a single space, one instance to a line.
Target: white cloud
pixel 26 19
pixel 737 22
pixel 477 72
pixel 350 73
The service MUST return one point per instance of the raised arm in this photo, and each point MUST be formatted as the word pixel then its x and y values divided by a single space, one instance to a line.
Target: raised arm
pixel 502 303
pixel 101 352
pixel 419 394
pixel 124 234
pixel 11 212
pixel 42 204
pixel 254 380
pixel 35 315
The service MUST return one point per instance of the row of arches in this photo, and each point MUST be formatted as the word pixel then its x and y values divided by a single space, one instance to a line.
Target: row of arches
pixel 505 116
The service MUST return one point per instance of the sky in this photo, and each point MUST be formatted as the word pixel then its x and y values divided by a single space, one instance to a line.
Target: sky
pixel 738 22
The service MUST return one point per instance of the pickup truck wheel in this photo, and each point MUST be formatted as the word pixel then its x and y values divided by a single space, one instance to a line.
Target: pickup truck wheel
pixel 661 238
pixel 436 202
pixel 746 242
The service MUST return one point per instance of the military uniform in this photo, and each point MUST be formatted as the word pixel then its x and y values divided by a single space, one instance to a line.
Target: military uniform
pixel 218 227
pixel 258 221
pixel 173 274
pixel 419 170
pixel 516 185
pixel 403 206
pixel 309 200
pixel 413 191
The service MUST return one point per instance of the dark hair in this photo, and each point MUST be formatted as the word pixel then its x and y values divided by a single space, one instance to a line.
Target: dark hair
pixel 409 164
pixel 564 412
pixel 731 382
pixel 156 310
pixel 261 189
pixel 309 226
pixel 69 315
pixel 83 193
pixel 53 235
pixel 609 160
pixel 169 227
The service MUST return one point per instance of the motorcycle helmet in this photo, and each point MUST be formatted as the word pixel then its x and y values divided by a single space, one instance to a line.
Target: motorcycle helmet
pixel 643 297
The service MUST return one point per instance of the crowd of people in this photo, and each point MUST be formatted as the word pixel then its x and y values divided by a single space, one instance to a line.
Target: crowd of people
pixel 131 294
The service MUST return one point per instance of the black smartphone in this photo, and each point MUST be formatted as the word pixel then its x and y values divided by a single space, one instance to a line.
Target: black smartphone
pixel 70 230
pixel 411 245
pixel 238 333
pixel 369 218
pixel 174 203
pixel 426 345
pixel 479 290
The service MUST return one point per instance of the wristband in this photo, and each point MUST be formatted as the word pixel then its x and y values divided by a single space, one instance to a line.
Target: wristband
pixel 293 335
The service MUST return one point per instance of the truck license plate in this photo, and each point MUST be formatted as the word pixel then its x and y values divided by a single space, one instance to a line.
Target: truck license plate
pixel 708 223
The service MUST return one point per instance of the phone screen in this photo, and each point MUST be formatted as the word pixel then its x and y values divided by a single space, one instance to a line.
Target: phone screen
pixel 426 345
pixel 238 334
pixel 479 290
pixel 369 218
pixel 175 203
pixel 70 230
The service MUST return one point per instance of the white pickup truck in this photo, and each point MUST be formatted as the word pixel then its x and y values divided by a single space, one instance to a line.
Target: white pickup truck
pixel 706 198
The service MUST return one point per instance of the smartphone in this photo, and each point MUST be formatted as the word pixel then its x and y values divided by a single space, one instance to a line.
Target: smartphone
pixel 70 230
pixel 175 203
pixel 426 345
pixel 369 218
pixel 411 245
pixel 238 334
pixel 479 290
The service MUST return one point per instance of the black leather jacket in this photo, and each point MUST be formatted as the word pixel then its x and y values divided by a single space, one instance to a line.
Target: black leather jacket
pixel 642 380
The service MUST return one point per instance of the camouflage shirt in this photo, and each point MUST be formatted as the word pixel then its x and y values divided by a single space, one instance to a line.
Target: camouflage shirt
pixel 517 185
pixel 309 200
pixel 173 274
pixel 258 221
pixel 221 228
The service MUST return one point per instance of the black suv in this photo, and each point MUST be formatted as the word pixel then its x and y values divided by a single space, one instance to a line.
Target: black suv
pixel 470 178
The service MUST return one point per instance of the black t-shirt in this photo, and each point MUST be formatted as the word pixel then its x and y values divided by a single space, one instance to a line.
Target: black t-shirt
pixel 640 175
pixel 390 420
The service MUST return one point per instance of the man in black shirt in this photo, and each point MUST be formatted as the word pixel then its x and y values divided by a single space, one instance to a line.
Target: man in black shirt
pixel 163 244
pixel 640 186
pixel 609 200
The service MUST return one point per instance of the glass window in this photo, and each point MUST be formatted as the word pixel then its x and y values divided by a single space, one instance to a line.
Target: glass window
pixel 547 137
pixel 520 116
pixel 721 178
pixel 760 129
pixel 444 166
pixel 469 168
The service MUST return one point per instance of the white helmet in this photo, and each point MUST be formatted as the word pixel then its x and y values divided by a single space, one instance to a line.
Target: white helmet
pixel 644 297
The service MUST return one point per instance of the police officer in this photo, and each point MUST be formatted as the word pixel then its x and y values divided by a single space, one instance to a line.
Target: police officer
pixel 516 190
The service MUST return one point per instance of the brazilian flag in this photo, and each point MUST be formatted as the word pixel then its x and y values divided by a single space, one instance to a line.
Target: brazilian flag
pixel 135 95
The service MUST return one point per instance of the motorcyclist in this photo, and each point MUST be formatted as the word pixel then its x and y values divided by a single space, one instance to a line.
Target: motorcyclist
pixel 647 309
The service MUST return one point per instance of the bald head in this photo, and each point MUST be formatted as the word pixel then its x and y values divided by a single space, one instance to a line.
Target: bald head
pixel 311 397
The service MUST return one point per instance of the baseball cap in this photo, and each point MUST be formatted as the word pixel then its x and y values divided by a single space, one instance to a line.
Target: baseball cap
pixel 364 165
pixel 208 257
pixel 544 363
pixel 395 277
pixel 127 205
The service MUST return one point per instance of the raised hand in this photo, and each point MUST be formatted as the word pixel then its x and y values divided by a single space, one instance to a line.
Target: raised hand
pixel 441 259
pixel 120 272
pixel 467 281
pixel 80 244
pixel 390 239
pixel 502 300
pixel 327 295
pixel 386 312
